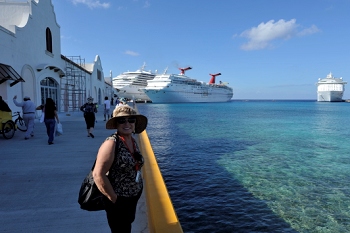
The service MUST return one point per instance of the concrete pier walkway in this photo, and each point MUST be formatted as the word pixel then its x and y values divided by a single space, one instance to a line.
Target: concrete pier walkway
pixel 40 182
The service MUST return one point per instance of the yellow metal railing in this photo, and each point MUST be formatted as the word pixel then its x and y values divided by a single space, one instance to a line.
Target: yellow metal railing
pixel 161 213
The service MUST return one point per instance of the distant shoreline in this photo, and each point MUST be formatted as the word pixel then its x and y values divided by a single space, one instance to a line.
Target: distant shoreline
pixel 266 100
pixel 304 100
pixel 282 100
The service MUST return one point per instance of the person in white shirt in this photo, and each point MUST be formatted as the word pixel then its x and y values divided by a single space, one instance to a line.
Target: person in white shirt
pixel 119 103
pixel 122 102
pixel 107 105
pixel 28 108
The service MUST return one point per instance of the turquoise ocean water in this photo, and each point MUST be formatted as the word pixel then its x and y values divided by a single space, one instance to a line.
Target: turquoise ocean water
pixel 255 166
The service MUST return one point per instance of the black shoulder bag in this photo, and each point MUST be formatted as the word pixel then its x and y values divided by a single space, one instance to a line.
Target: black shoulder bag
pixel 90 198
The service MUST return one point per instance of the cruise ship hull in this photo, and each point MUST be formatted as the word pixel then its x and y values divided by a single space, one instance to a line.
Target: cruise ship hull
pixel 172 88
pixel 132 92
pixel 330 89
pixel 329 96
pixel 130 83
pixel 189 95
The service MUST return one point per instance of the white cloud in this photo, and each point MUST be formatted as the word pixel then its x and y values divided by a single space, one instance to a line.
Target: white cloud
pixel 142 3
pixel 92 3
pixel 261 37
pixel 311 30
pixel 147 4
pixel 132 53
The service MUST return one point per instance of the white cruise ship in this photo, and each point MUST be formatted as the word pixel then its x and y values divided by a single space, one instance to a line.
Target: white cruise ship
pixel 178 88
pixel 330 89
pixel 129 84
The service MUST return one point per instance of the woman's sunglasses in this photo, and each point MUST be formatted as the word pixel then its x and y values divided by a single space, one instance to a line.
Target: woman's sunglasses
pixel 123 120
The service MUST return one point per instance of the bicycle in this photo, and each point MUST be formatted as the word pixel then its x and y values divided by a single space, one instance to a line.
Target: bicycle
pixel 19 122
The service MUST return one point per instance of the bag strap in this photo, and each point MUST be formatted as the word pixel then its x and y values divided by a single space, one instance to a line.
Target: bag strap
pixel 116 149
pixel 93 166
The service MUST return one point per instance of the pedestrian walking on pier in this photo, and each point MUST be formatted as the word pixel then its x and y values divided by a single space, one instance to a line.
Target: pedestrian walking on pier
pixel 89 109
pixel 107 106
pixel 50 114
pixel 28 108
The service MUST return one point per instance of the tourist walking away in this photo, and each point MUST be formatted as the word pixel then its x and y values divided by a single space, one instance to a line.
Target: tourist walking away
pixel 112 101
pixel 28 109
pixel 89 109
pixel 107 106
pixel 50 114
pixel 119 155
pixel 121 102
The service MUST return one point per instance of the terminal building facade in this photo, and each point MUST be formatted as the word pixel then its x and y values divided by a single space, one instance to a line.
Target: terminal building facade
pixel 31 63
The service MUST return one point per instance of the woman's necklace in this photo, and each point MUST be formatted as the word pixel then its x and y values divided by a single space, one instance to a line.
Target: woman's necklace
pixel 132 153
pixel 127 146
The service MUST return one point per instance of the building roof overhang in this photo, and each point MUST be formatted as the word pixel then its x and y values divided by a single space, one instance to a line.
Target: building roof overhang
pixel 51 67
pixel 8 73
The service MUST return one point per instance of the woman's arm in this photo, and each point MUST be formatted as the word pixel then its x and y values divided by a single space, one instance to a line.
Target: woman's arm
pixel 104 162
pixel 56 116
pixel 82 108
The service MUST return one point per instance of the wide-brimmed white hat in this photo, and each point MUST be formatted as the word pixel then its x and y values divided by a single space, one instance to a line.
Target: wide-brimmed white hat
pixel 127 111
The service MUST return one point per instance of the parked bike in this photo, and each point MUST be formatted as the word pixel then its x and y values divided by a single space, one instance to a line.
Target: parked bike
pixel 19 122
pixel 8 126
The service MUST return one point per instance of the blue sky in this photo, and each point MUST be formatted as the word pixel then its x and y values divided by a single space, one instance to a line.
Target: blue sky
pixel 264 49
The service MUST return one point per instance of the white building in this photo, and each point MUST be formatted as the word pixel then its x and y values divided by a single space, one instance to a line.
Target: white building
pixel 31 63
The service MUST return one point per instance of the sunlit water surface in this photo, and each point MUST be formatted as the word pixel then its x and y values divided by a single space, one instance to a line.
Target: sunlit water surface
pixel 255 166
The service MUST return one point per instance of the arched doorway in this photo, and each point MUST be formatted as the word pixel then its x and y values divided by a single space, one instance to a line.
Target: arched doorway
pixel 49 89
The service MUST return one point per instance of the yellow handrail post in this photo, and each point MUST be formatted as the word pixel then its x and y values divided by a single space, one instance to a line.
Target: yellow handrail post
pixel 161 213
